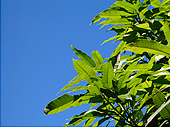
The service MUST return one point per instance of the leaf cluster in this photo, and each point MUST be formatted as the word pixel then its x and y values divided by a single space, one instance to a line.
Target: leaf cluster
pixel 132 90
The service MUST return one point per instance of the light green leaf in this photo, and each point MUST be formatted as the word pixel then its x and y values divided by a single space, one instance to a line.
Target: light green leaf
pixel 144 26
pixel 84 57
pixel 166 30
pixel 108 74
pixel 128 6
pixel 97 57
pixel 118 49
pixel 149 46
pixel 141 67
pixel 84 71
pixel 74 81
pixel 89 122
pixel 115 21
pixel 146 84
pixel 156 3
pixel 125 96
pixel 112 38
pixel 94 90
pixel 78 88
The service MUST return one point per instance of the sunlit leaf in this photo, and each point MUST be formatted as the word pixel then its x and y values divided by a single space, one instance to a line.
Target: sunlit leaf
pixel 97 57
pixel 108 74
pixel 149 46
pixel 84 70
pixel 84 57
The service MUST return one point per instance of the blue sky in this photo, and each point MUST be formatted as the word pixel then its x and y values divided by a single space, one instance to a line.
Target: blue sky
pixel 36 55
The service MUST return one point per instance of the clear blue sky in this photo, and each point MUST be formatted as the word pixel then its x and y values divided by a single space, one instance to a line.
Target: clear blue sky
pixel 36 55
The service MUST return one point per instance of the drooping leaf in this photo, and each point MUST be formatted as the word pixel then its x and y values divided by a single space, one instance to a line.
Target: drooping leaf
pixel 97 57
pixel 149 46
pixel 108 74
pixel 84 71
pixel 84 57
pixel 59 104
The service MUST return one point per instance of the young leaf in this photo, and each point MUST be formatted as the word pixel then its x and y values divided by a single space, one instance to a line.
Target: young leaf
pixel 108 74
pixel 97 57
pixel 84 57
pixel 149 46
pixel 84 71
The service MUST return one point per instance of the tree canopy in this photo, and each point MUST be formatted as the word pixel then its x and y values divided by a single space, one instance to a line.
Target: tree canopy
pixel 120 87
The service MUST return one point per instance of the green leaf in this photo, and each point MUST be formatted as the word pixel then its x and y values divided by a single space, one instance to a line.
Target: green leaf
pixel 97 57
pixel 156 3
pixel 129 7
pixel 74 81
pixel 143 100
pixel 149 46
pixel 141 67
pixel 84 57
pixel 112 38
pixel 146 84
pixel 84 71
pixel 125 96
pixel 89 122
pixel 158 100
pixel 144 26
pixel 166 30
pixel 98 123
pixel 59 104
pixel 118 49
pixel 94 90
pixel 164 105
pixel 110 13
pixel 115 21
pixel 108 74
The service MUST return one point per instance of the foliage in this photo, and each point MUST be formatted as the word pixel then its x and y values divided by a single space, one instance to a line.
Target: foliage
pixel 132 90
